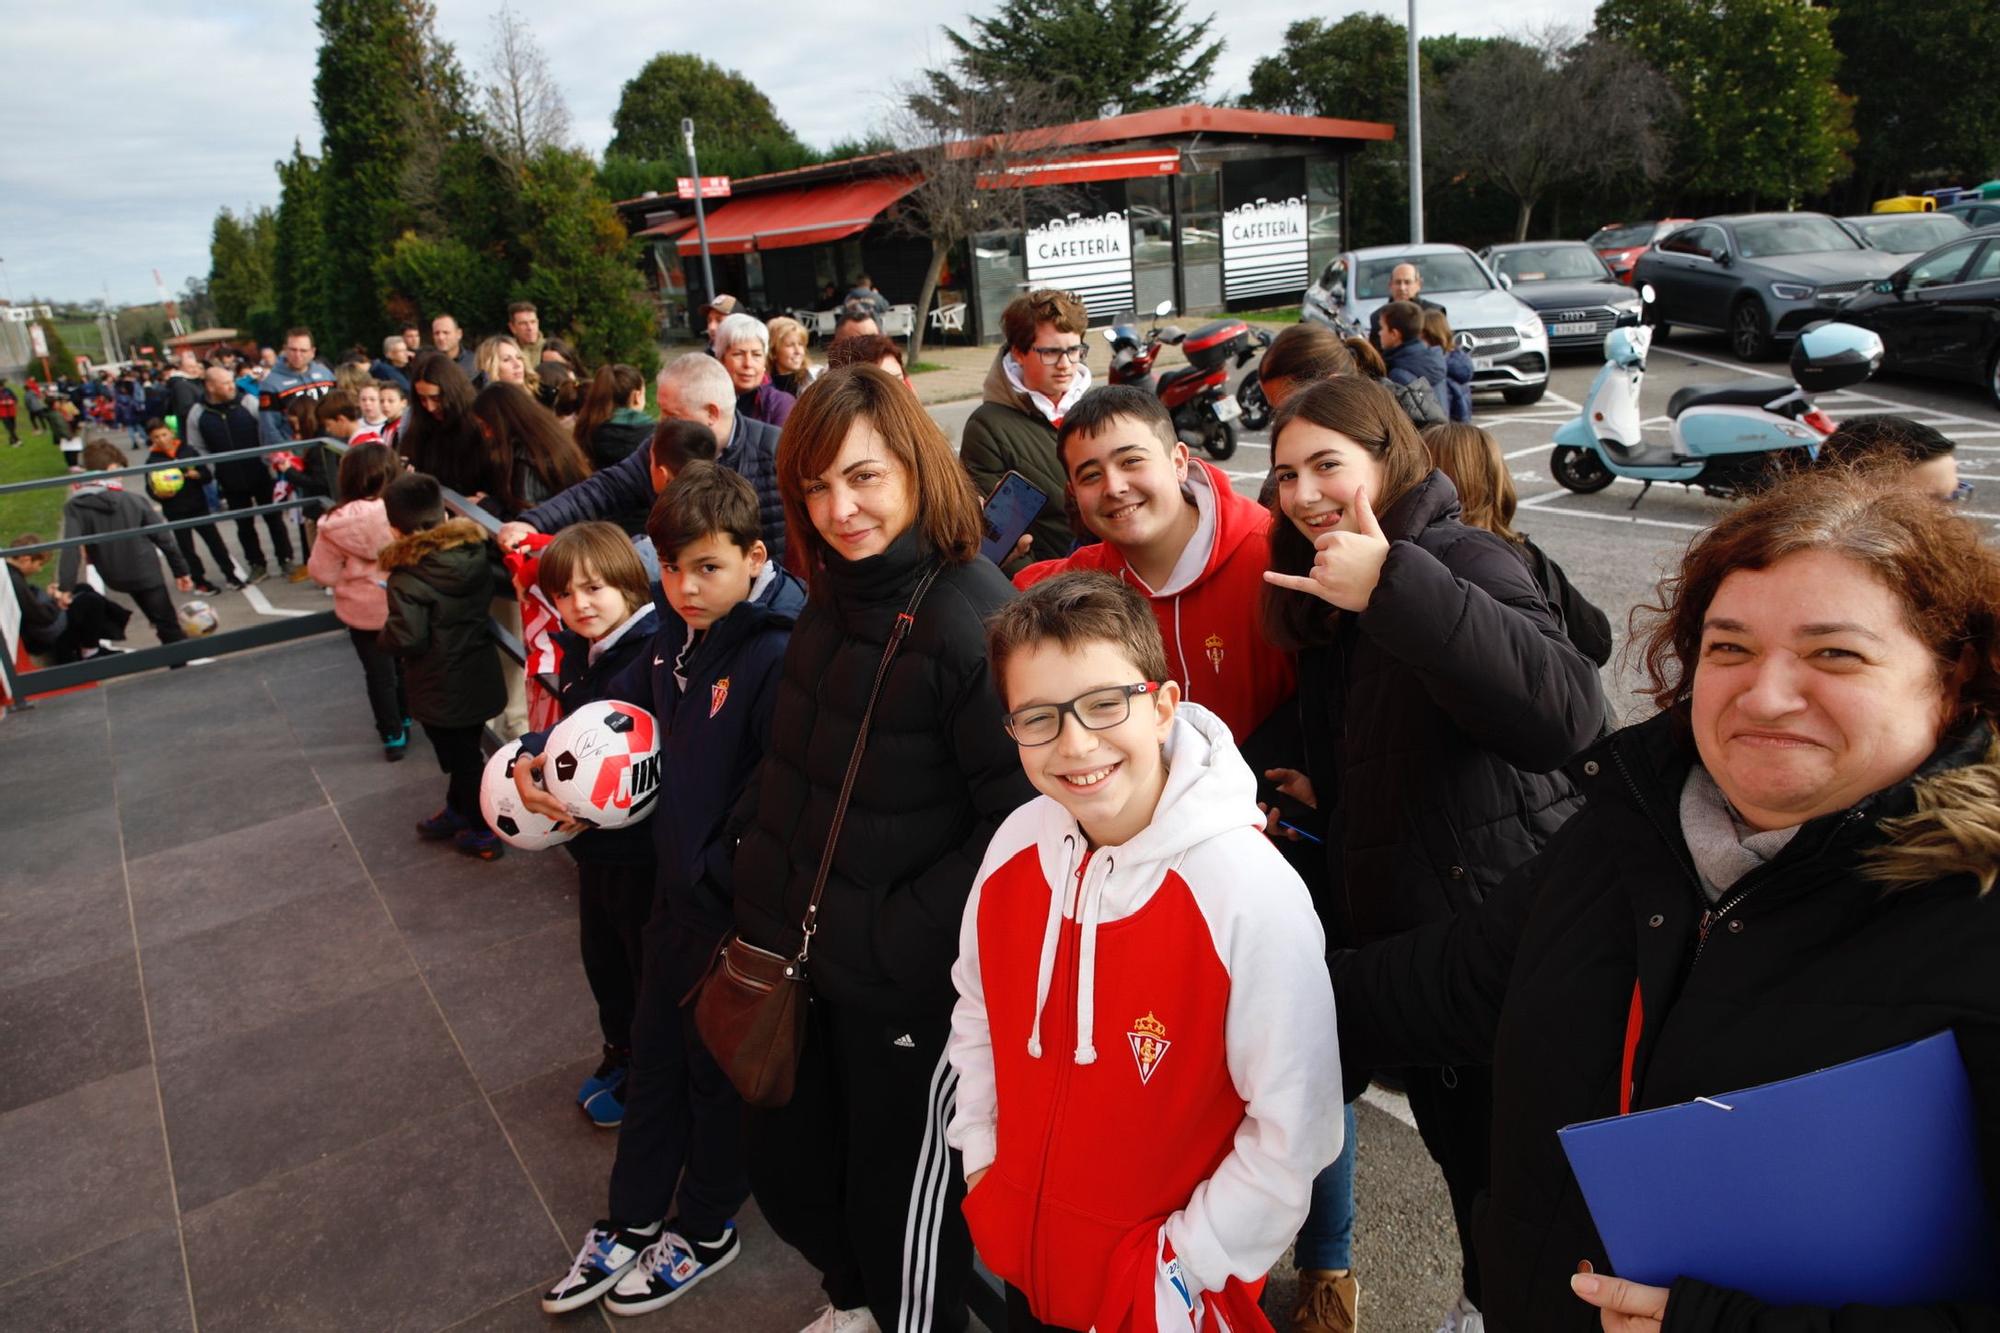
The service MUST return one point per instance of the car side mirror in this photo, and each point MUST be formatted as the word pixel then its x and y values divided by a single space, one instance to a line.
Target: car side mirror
pixel 1720 255
pixel 1506 282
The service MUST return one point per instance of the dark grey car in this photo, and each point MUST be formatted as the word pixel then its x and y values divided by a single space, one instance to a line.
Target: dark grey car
pixel 1759 277
pixel 1568 285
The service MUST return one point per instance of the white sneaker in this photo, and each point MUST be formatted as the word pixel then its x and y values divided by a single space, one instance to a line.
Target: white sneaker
pixel 830 1320
pixel 1463 1317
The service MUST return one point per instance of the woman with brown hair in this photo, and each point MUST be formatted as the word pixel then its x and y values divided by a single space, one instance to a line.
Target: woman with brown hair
pixel 1438 700
pixel 1471 458
pixel 854 1172
pixel 440 438
pixel 612 421
pixel 529 455
pixel 1786 868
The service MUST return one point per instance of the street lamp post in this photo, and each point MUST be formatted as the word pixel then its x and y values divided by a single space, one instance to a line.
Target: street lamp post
pixel 700 215
pixel 1416 139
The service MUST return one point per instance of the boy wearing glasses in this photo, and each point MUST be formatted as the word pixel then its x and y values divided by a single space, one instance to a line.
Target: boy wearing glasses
pixel 1144 1034
pixel 1034 382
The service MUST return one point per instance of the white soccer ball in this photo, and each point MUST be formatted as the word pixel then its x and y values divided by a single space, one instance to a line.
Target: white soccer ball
pixel 604 763
pixel 500 802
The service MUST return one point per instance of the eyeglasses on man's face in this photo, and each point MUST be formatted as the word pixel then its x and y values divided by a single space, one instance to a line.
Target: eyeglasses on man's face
pixel 1099 710
pixel 1051 355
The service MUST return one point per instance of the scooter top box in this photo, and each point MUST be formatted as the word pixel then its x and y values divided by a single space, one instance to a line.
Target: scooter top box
pixel 1215 342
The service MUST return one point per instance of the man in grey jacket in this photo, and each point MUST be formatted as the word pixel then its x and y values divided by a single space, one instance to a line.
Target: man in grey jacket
pixel 693 387
pixel 102 506
pixel 298 374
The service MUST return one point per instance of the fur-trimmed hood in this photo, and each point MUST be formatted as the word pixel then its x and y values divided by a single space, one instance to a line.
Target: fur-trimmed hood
pixel 406 552
pixel 1955 829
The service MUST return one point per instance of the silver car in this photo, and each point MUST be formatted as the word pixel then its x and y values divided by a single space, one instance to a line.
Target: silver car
pixel 1504 336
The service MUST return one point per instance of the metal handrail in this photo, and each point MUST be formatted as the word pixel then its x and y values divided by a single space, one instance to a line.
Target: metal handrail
pixel 192 458
pixel 170 525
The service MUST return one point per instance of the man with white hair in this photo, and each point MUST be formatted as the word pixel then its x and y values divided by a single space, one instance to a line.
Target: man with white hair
pixel 694 387
pixel 743 345
pixel 394 363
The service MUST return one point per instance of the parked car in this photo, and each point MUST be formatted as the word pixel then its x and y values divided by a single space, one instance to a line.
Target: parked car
pixel 1568 286
pixel 1502 334
pixel 1939 315
pixel 1905 234
pixel 1758 277
pixel 1619 244
pixel 1974 213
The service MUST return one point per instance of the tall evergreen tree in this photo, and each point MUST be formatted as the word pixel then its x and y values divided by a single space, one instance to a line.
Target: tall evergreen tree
pixel 364 137
pixel 1927 103
pixel 241 255
pixel 298 257
pixel 582 267
pixel 734 121
pixel 1093 57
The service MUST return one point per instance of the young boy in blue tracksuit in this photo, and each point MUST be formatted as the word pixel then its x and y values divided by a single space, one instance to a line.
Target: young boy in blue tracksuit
pixel 711 679
pixel 599 588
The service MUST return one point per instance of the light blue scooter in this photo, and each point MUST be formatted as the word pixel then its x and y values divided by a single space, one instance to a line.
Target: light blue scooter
pixel 1723 438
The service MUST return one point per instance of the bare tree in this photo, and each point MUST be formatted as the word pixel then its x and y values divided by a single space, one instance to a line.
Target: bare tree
pixel 523 109
pixel 965 149
pixel 1543 109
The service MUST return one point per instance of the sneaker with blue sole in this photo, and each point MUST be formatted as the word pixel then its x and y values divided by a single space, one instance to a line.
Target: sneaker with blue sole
pixel 668 1268
pixel 608 1254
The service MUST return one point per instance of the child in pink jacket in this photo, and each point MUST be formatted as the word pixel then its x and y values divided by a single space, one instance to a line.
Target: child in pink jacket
pixel 351 536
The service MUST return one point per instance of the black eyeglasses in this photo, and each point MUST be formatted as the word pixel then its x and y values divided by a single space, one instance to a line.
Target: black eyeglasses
pixel 1051 355
pixel 1099 710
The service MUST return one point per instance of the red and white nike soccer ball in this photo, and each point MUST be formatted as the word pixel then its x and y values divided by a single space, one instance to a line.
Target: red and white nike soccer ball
pixel 500 802
pixel 604 763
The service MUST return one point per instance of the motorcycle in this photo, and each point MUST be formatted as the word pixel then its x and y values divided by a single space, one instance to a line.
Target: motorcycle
pixel 1724 439
pixel 1197 395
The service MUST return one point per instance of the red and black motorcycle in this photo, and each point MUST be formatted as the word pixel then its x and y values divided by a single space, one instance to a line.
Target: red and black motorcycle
pixel 1197 395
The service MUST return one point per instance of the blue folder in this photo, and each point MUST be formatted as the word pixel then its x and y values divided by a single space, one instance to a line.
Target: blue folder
pixel 1855 1184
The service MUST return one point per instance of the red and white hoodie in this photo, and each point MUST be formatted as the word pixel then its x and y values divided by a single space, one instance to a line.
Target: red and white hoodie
pixel 1146 1053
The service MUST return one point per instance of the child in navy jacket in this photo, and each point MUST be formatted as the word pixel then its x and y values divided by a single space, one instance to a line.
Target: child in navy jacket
pixel 594 577
pixel 711 680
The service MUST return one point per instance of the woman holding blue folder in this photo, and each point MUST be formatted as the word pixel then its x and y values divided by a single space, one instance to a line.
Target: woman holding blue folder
pixel 1787 868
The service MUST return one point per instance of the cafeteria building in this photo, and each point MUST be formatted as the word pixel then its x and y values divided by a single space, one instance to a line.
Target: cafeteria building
pixel 1211 208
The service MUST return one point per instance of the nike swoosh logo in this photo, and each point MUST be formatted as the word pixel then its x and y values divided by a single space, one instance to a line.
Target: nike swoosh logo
pixel 659 661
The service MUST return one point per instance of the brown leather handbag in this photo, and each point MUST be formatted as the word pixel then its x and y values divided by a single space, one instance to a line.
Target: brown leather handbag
pixel 751 1007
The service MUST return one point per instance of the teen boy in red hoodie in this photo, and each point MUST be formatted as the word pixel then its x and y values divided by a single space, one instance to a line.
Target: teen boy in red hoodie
pixel 1144 1034
pixel 1173 528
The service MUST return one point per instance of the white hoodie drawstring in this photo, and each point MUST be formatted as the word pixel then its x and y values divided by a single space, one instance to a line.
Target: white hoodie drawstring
pixel 1088 916
pixel 1045 970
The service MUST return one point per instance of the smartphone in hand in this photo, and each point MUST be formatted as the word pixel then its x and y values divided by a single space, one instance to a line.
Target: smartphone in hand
pixel 1014 504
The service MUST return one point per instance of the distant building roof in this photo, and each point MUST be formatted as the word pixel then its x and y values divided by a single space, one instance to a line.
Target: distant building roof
pixel 204 336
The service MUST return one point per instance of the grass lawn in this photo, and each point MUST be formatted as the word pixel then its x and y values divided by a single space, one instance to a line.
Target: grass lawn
pixel 31 511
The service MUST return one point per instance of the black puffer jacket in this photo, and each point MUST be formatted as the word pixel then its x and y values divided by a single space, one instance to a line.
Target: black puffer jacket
pixel 440 590
pixel 938 777
pixel 1818 965
pixel 1435 721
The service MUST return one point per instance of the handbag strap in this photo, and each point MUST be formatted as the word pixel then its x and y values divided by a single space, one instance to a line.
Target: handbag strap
pixel 897 632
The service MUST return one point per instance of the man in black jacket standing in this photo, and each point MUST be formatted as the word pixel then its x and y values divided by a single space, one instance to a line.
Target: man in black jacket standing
pixel 225 420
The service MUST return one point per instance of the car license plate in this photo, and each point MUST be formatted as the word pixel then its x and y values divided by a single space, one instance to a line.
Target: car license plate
pixel 1227 409
pixel 1482 363
pixel 1570 330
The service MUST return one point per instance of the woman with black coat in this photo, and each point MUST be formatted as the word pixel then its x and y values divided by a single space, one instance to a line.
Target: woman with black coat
pixel 1438 697
pixel 1788 868
pixel 440 437
pixel 854 1172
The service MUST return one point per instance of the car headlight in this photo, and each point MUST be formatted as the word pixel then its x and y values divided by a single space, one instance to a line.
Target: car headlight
pixel 1791 291
pixel 1530 328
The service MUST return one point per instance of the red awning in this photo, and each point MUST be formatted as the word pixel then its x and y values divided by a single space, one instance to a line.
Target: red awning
pixel 1091 167
pixel 665 231
pixel 805 215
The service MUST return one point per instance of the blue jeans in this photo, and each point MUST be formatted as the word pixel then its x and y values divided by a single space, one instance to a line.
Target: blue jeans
pixel 1327 1238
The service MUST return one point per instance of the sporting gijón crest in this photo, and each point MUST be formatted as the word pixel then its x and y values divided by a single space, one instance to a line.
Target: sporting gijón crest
pixel 1149 1044
pixel 718 695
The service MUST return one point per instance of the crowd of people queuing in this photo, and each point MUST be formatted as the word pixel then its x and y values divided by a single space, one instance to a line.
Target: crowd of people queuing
pixel 1118 872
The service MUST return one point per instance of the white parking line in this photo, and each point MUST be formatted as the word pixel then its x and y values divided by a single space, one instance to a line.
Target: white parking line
pixel 1390 1103
pixel 1615 518
pixel 262 604
pixel 1523 453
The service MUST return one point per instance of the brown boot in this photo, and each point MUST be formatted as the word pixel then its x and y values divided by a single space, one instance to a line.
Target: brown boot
pixel 1329 1302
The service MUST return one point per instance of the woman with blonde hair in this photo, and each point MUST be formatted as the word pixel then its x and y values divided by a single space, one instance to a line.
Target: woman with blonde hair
pixel 501 361
pixel 790 370
pixel 1486 499
pixel 854 1172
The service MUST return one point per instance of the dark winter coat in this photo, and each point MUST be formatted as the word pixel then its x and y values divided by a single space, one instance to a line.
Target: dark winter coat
pixel 1808 962
pixel 938 776
pixel 622 493
pixel 1006 434
pixel 221 428
pixel 1458 385
pixel 102 507
pixel 1583 623
pixel 183 392
pixel 616 438
pixel 1417 360
pixel 1436 721
pixel 440 591
pixel 191 501
pixel 767 403
pixel 580 681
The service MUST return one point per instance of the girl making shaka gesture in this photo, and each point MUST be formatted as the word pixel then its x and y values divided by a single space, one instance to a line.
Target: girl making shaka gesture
pixel 1438 699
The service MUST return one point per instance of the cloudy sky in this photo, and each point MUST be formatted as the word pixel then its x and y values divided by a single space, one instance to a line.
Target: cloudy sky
pixel 150 116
